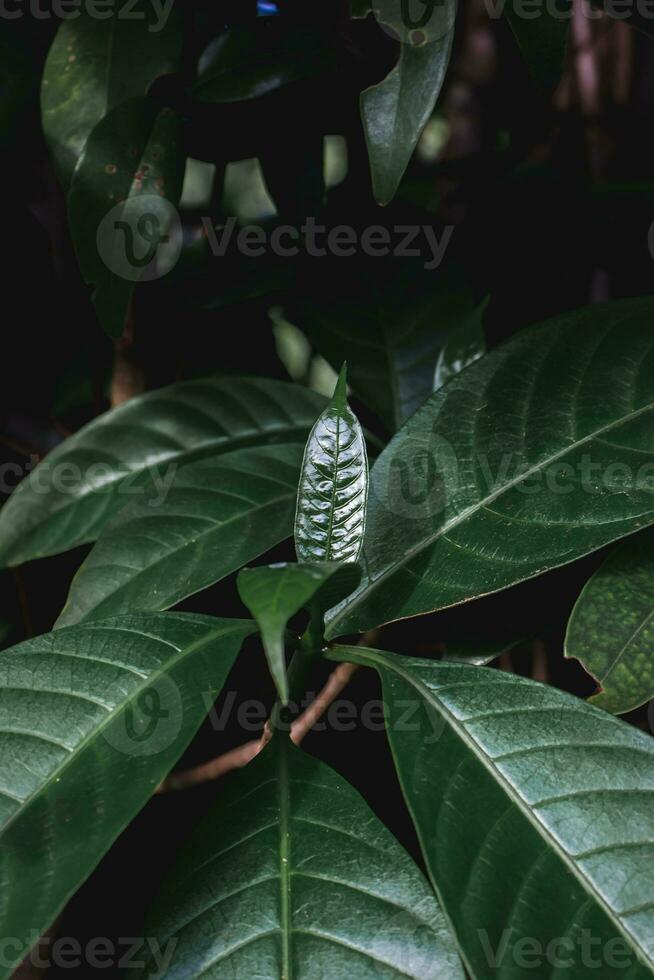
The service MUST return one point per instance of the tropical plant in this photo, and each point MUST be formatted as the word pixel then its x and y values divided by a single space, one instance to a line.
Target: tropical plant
pixel 488 468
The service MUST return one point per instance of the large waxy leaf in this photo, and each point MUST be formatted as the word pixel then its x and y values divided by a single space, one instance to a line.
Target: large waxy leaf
pixel 121 203
pixel 217 515
pixel 292 876
pixel 73 494
pixel 91 719
pixel 95 63
pixel 534 815
pixel 275 593
pixel 396 110
pixel 543 39
pixel 333 491
pixel 465 344
pixel 390 322
pixel 611 630
pixel 540 452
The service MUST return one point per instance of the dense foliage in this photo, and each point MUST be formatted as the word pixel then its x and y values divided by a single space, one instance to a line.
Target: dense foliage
pixel 440 468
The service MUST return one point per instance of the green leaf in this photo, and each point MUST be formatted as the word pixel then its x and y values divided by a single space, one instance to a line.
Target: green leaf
pixel 248 61
pixel 331 502
pixel 396 110
pixel 611 630
pixel 537 454
pixel 91 720
pixel 275 593
pixel 543 39
pixel 533 810
pixel 477 653
pixel 292 875
pixel 465 345
pixel 121 203
pixel 74 493
pixel 390 321
pixel 95 64
pixel 216 515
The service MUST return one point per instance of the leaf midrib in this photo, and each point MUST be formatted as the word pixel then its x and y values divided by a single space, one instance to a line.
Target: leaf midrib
pixel 74 754
pixel 431 697
pixel 216 528
pixel 467 512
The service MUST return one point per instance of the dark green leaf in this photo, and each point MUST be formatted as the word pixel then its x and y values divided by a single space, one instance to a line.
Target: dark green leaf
pixel 390 321
pixel 543 39
pixel 396 110
pixel 611 630
pixel 292 875
pixel 248 61
pixel 479 654
pixel 275 593
pixel 121 203
pixel 637 15
pixel 216 515
pixel 331 502
pixel 94 64
pixel 465 345
pixel 534 815
pixel 91 720
pixel 537 454
pixel 74 493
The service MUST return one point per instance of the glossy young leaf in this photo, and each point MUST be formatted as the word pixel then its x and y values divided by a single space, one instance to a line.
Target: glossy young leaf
pixel 390 321
pixel 464 345
pixel 292 875
pixel 95 64
pixel 275 593
pixel 537 454
pixel 533 810
pixel 121 203
pixel 543 39
pixel 91 720
pixel 332 496
pixel 396 110
pixel 611 630
pixel 216 515
pixel 74 493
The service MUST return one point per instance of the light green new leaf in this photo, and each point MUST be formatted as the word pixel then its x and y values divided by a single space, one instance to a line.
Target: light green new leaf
pixel 96 63
pixel 543 39
pixel 390 322
pixel 611 630
pixel 216 515
pixel 333 492
pixel 121 202
pixel 291 875
pixel 91 720
pixel 80 486
pixel 534 813
pixel 275 593
pixel 537 454
pixel 396 110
